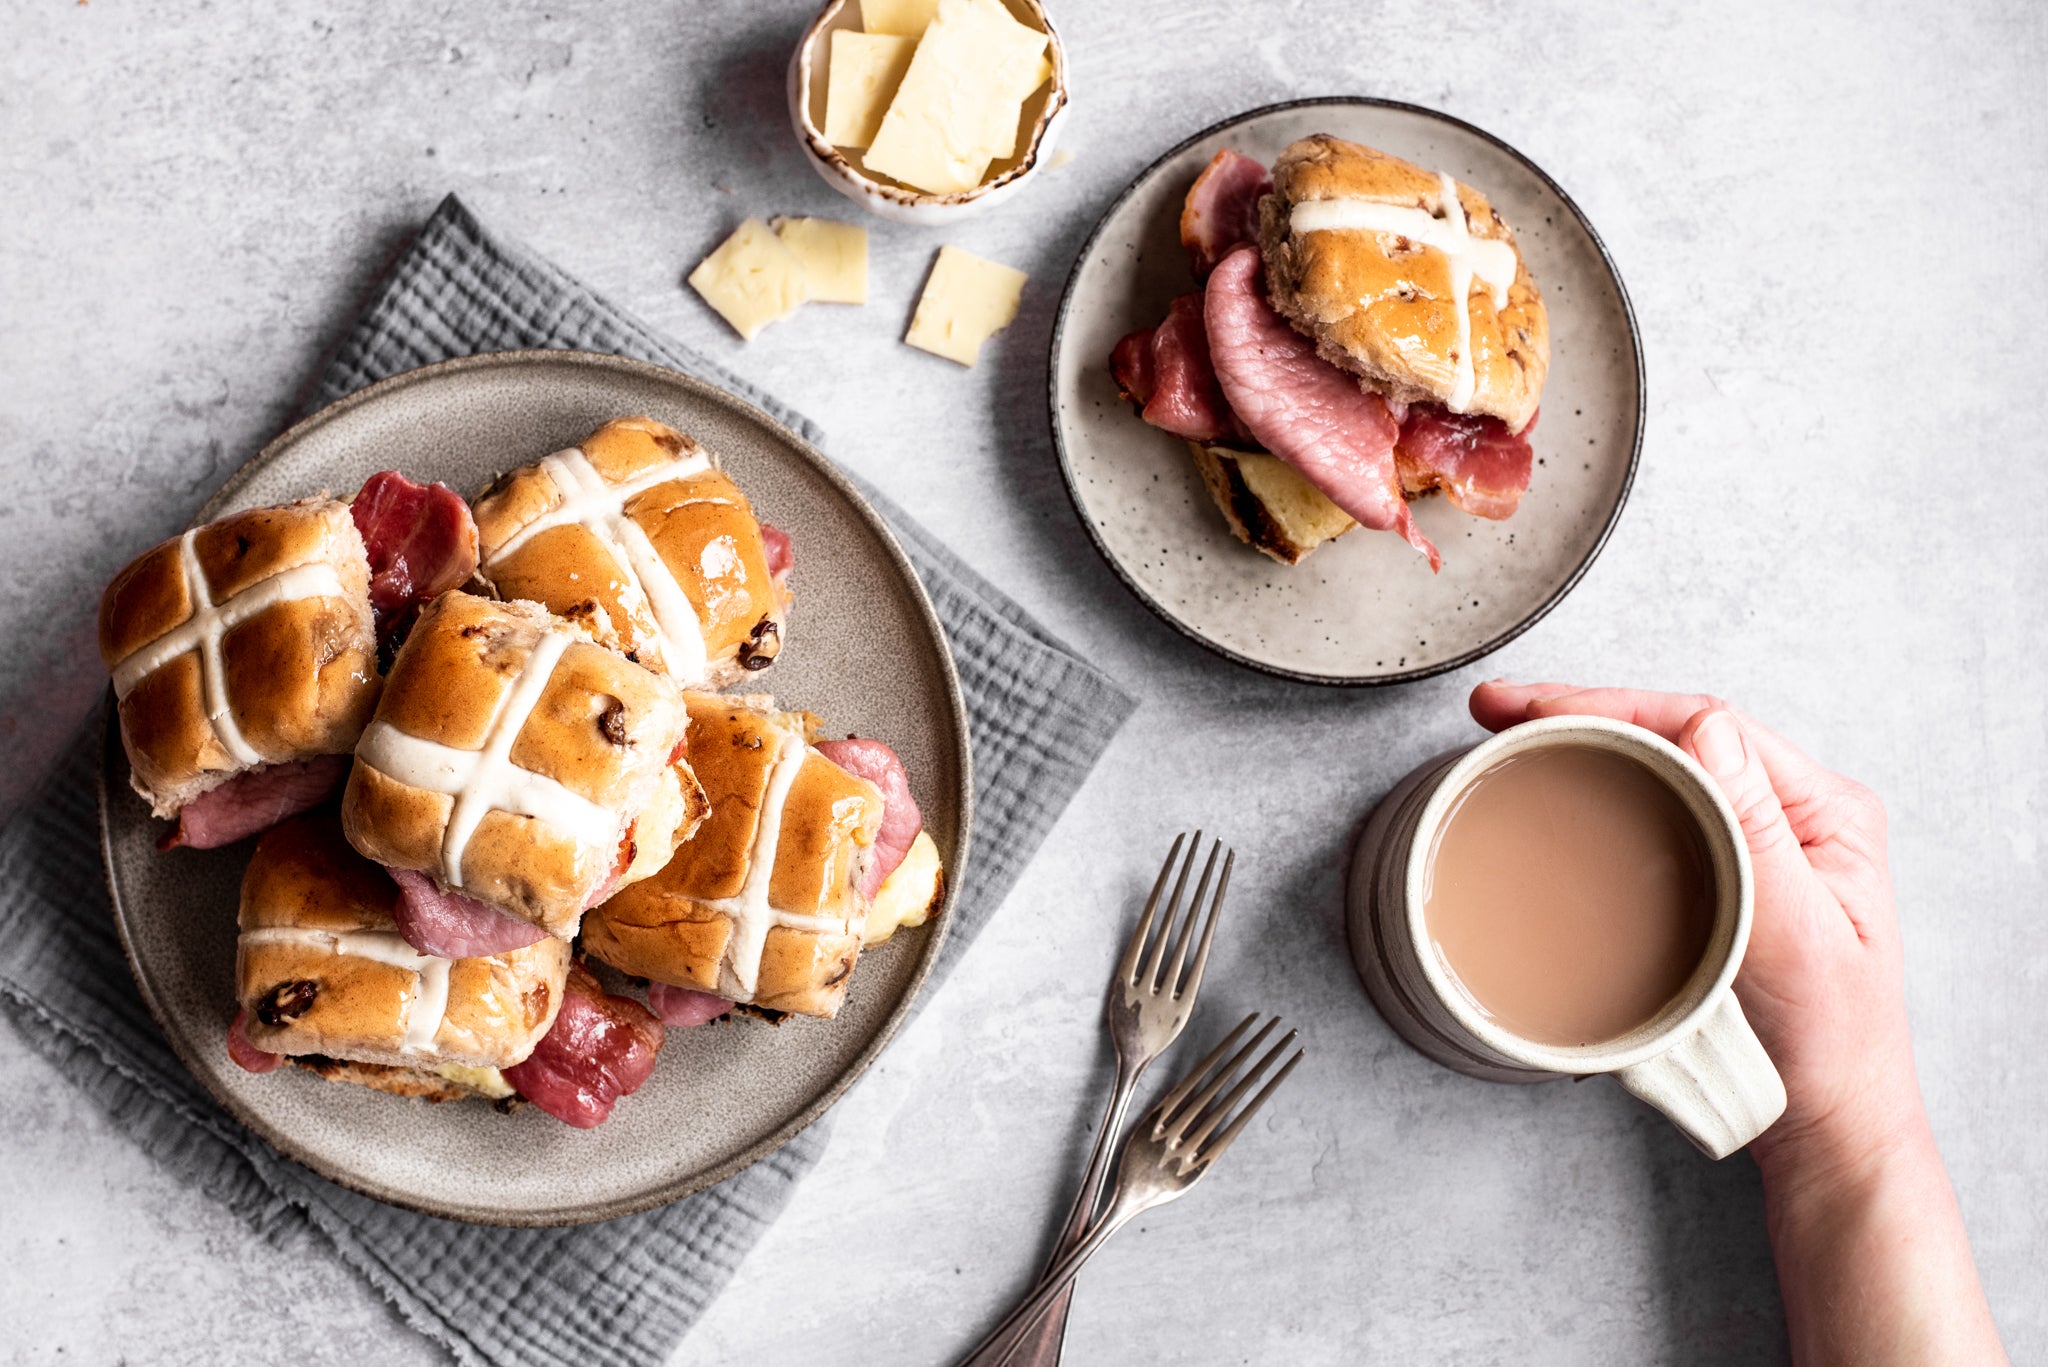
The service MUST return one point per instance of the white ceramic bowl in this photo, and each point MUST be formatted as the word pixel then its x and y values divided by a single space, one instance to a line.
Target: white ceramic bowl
pixel 843 170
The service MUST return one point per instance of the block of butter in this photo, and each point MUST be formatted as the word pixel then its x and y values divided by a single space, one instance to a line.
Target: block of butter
pixel 965 302
pixel 865 70
pixel 834 256
pixel 903 18
pixel 752 279
pixel 959 102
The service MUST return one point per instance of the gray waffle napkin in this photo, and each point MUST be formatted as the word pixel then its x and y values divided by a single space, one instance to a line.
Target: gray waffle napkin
pixel 627 1290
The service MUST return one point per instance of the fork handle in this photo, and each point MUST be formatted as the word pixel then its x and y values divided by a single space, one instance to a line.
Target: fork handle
pixel 1039 1343
pixel 998 1347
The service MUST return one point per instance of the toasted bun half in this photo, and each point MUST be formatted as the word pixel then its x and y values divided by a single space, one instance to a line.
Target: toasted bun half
pixel 1381 298
pixel 266 611
pixel 784 937
pixel 321 969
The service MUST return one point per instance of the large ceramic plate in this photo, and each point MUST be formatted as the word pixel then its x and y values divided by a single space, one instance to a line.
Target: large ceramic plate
pixel 865 653
pixel 1363 609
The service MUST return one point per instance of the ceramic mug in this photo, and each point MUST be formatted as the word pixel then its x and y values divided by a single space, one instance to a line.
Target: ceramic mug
pixel 1697 1060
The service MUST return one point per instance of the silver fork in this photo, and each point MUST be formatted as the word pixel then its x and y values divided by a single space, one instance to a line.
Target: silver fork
pixel 1178 1140
pixel 1149 1004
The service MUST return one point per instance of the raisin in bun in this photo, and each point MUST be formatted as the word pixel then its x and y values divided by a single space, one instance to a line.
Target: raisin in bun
pixel 322 974
pixel 639 536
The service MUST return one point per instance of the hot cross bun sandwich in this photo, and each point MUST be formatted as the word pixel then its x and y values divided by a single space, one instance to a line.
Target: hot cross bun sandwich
pixel 1367 332
pixel 515 774
pixel 812 850
pixel 324 980
pixel 244 653
pixel 636 534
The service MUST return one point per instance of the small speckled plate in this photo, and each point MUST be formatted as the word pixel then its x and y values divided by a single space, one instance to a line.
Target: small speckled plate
pixel 866 653
pixel 1363 609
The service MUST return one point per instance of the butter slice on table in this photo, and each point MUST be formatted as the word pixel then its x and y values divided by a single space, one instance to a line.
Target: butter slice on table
pixel 965 302
pixel 965 81
pixel 905 18
pixel 753 279
pixel 866 68
pixel 835 257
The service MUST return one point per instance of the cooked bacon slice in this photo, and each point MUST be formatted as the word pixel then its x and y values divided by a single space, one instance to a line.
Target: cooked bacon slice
pixel 599 1049
pixel 1222 209
pixel 255 800
pixel 781 551
pixel 901 820
pixel 1130 364
pixel 1479 464
pixel 251 1058
pixel 1167 372
pixel 421 540
pixel 448 925
pixel 1303 409
pixel 685 1008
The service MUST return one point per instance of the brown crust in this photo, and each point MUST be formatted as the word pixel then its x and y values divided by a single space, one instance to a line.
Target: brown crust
pixel 1378 304
pixel 308 999
pixel 446 685
pixel 1242 511
pixel 383 1077
pixel 301 676
pixel 664 930
pixel 703 528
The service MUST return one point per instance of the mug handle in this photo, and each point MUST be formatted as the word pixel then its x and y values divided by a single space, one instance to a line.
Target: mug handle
pixel 1717 1084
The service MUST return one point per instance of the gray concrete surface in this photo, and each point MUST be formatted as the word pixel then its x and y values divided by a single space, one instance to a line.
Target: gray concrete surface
pixel 1831 224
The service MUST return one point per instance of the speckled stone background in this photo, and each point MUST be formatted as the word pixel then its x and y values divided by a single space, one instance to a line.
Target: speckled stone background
pixel 1830 218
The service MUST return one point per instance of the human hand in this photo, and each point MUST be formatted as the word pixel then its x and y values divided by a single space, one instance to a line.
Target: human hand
pixel 1822 983
pixel 1872 1257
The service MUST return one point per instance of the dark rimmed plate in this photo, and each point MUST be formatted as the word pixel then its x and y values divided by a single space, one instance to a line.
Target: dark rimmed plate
pixel 866 653
pixel 1363 609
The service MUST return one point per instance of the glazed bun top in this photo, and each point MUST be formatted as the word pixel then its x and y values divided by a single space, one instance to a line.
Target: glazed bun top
pixel 1405 277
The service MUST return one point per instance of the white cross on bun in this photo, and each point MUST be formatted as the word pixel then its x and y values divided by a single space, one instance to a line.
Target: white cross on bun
pixel 635 534
pixel 320 969
pixel 1372 274
pixel 514 762
pixel 245 642
pixel 763 904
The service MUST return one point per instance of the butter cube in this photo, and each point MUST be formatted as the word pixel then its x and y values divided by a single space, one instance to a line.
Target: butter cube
pixel 904 18
pixel 835 257
pixel 965 302
pixel 964 81
pixel 1002 136
pixel 1006 115
pixel 865 71
pixel 753 279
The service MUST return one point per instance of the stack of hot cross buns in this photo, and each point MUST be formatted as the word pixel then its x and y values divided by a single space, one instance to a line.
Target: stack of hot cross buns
pixel 480 740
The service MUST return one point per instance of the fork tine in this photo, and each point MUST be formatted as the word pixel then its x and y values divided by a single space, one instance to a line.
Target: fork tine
pixel 1172 909
pixel 1194 981
pixel 1198 1104
pixel 1127 968
pixel 1214 1151
pixel 1170 984
pixel 1169 1103
pixel 1217 1114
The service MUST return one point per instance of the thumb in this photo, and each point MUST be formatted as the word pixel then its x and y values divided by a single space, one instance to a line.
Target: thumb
pixel 1715 737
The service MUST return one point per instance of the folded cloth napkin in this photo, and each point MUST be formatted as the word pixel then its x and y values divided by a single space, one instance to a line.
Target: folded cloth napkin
pixel 624 1291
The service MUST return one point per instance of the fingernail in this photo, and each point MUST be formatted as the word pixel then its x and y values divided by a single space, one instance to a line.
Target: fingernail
pixel 1502 682
pixel 1719 744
